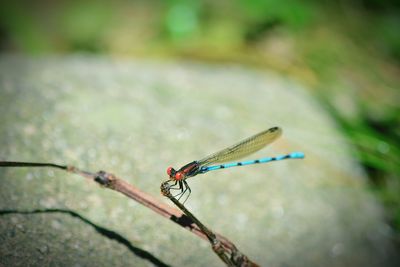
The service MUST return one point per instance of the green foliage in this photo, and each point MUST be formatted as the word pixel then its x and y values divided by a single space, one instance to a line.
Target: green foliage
pixel 377 146
pixel 292 14
pixel 84 24
pixel 22 28
pixel 182 19
pixel 388 28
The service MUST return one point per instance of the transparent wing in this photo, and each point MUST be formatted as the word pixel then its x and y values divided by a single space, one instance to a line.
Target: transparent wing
pixel 243 148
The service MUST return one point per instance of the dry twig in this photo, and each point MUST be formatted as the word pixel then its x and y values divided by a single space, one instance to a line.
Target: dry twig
pixel 225 249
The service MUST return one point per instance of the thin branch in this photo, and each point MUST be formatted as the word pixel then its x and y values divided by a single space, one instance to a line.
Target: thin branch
pixel 225 249
pixel 110 181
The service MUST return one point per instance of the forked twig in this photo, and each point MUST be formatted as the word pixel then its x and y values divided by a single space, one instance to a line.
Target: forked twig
pixel 225 249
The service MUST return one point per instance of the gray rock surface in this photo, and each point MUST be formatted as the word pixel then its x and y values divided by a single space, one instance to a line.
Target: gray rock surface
pixel 136 118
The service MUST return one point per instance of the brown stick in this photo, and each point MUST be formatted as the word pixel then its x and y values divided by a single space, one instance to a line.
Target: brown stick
pixel 225 249
pixel 112 182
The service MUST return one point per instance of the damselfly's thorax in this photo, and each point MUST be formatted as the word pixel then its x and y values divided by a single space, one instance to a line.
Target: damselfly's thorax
pixel 189 170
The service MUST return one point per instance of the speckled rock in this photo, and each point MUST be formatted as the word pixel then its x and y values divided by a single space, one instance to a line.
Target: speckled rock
pixel 136 118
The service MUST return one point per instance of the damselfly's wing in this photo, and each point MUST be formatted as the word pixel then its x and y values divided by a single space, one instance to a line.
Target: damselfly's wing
pixel 243 148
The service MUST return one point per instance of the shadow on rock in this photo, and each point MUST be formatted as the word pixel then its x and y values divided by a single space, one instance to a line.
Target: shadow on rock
pixel 101 230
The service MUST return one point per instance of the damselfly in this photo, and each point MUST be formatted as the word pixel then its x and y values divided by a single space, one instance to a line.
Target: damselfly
pixel 244 148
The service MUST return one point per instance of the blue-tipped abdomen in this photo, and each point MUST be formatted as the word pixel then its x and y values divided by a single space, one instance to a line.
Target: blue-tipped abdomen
pixel 293 155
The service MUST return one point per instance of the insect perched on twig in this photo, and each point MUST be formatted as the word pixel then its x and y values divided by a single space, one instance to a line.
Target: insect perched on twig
pixel 177 178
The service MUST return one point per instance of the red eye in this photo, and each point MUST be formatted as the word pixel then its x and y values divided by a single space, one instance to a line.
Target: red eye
pixel 178 176
pixel 169 171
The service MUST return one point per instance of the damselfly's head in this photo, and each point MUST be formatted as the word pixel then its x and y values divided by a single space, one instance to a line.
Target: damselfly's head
pixel 175 175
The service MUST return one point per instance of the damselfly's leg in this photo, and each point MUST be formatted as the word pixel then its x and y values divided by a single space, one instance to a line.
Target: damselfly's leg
pixel 174 188
pixel 187 188
pixel 180 188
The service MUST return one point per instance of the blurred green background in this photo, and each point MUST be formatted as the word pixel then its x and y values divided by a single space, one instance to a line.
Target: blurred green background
pixel 346 52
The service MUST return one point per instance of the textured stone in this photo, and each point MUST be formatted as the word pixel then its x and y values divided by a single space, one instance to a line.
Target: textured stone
pixel 136 118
